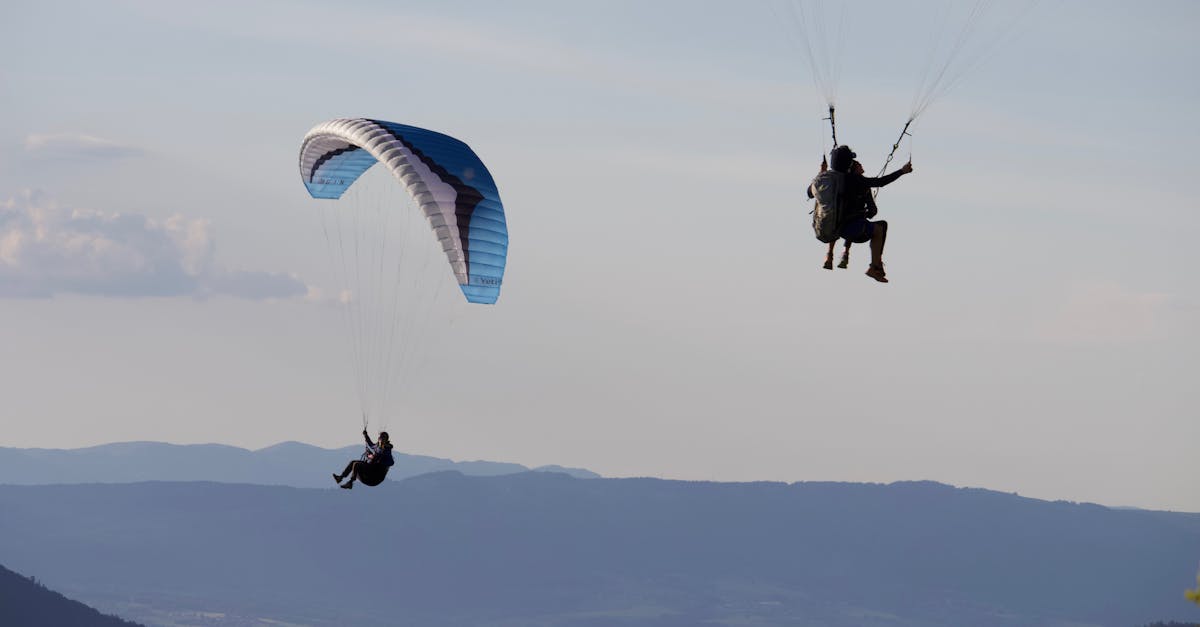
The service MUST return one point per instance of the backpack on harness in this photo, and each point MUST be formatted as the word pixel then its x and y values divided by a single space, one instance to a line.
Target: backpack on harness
pixel 826 189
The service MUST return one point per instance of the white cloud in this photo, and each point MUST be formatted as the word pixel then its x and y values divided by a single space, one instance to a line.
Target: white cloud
pixel 77 147
pixel 46 250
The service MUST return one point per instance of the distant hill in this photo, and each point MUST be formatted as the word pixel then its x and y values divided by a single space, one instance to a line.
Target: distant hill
pixel 289 463
pixel 448 550
pixel 26 603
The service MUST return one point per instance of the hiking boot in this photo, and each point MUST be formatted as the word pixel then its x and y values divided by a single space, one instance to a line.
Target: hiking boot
pixel 348 486
pixel 845 261
pixel 828 262
pixel 877 273
pixel 337 478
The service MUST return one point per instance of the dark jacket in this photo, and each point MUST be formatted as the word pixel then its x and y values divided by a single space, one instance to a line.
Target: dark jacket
pixel 378 453
pixel 858 203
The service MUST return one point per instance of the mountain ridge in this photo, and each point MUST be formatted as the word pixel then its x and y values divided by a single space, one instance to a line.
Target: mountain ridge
pixel 289 463
pixel 448 550
pixel 27 603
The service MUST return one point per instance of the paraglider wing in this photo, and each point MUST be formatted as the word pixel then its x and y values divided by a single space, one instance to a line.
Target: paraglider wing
pixel 447 180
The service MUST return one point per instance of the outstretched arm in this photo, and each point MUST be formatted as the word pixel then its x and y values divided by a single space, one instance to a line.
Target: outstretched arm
pixel 367 437
pixel 880 181
pixel 884 180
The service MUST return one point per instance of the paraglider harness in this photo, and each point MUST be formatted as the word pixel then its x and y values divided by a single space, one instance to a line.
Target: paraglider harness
pixel 826 190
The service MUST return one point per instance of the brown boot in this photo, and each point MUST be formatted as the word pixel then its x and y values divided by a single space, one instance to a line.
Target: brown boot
pixel 876 272
pixel 828 261
pixel 845 260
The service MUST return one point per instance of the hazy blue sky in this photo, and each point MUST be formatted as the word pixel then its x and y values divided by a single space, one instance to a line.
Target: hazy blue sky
pixel 664 311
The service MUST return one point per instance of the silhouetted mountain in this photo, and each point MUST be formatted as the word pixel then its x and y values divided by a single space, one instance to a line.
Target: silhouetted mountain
pixel 288 463
pixel 26 603
pixel 445 549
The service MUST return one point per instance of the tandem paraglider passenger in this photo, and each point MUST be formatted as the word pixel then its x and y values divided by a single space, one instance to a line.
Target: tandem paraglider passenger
pixel 372 467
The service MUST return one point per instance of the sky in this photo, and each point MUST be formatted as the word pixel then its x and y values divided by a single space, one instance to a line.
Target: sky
pixel 164 275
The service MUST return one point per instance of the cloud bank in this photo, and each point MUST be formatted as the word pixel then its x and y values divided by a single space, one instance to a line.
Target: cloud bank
pixel 47 250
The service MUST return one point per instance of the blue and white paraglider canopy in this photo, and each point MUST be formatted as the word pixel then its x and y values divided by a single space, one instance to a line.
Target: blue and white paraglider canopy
pixel 443 175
